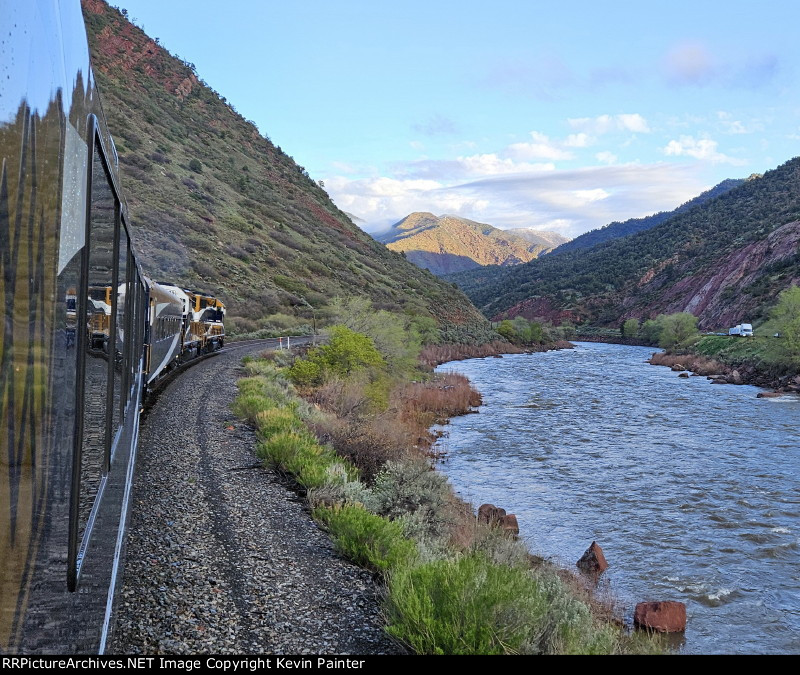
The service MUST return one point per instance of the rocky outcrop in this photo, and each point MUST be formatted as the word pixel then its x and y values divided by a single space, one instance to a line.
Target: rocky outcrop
pixel 715 293
pixel 497 517
pixel 593 560
pixel 663 617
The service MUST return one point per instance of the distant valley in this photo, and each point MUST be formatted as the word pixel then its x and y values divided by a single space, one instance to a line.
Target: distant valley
pixel 448 244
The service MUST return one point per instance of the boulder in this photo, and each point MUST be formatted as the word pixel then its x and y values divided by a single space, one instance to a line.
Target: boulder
pixel 769 394
pixel 721 380
pixel 593 560
pixel 509 524
pixel 489 513
pixel 678 367
pixel 664 617
pixel 735 377
pixel 683 375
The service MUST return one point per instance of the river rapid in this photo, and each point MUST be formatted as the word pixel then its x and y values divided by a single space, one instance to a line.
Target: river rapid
pixel 691 489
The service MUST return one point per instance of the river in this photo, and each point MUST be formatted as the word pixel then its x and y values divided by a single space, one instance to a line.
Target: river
pixel 691 489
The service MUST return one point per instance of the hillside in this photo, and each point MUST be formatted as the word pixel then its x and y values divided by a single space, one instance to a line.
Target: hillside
pixel 724 260
pixel 448 244
pixel 217 206
pixel 616 230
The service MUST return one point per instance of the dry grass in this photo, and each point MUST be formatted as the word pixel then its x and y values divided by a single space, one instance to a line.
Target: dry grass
pixel 697 364
pixel 433 355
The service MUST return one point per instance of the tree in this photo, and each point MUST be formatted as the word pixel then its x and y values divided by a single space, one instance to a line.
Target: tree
pixel 651 331
pixel 506 329
pixel 630 328
pixel 676 329
pixel 786 315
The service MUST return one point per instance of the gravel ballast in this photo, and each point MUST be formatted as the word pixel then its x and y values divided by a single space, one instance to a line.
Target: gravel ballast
pixel 222 557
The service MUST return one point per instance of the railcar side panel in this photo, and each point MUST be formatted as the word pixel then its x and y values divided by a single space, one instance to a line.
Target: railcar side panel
pixel 70 386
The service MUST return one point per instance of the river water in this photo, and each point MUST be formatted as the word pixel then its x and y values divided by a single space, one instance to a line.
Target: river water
pixel 691 489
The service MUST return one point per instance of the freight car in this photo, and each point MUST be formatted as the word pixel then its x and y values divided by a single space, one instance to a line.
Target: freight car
pixel 86 332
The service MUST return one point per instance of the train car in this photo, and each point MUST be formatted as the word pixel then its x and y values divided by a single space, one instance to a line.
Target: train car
pixel 74 342
pixel 208 314
pixel 166 311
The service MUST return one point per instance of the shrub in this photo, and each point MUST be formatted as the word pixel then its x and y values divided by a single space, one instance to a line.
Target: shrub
pixel 195 165
pixel 412 487
pixel 472 606
pixel 347 352
pixel 368 540
pixel 300 455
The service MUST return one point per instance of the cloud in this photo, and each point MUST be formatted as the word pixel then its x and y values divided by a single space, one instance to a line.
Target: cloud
pixel 436 125
pixel 606 157
pixel 605 124
pixel 574 201
pixel 541 148
pixel 689 63
pixel 693 64
pixel 578 140
pixel 470 166
pixel 699 148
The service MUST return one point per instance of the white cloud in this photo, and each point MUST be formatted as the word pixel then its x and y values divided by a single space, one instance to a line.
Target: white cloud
pixel 604 124
pixel 465 167
pixel 571 201
pixel 606 157
pixel 580 140
pixel 703 149
pixel 541 148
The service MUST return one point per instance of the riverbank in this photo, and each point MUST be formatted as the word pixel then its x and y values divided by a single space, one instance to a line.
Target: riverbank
pixel 454 583
pixel 735 360
pixel 434 355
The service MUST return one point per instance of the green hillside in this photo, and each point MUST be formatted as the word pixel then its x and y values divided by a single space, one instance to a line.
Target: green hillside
pixel 217 206
pixel 724 260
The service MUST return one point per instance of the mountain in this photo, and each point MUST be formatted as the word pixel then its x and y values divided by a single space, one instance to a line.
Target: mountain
pixel 449 244
pixel 217 206
pixel 632 226
pixel 724 260
pixel 549 239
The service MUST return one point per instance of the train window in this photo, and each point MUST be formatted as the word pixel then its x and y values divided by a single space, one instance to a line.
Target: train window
pixel 100 302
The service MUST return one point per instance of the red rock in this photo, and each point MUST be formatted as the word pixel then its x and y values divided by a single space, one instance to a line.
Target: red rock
pixel 593 560
pixel 489 513
pixel 663 617
pixel 509 524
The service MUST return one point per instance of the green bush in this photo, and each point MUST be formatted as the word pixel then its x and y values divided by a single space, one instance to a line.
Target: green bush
pixel 347 352
pixel 472 606
pixel 368 540
pixel 411 487
pixel 299 454
pixel 676 330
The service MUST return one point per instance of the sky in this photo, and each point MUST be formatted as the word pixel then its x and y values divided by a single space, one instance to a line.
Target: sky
pixel 560 116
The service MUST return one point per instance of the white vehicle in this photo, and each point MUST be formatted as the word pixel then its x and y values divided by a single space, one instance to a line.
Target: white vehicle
pixel 743 330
